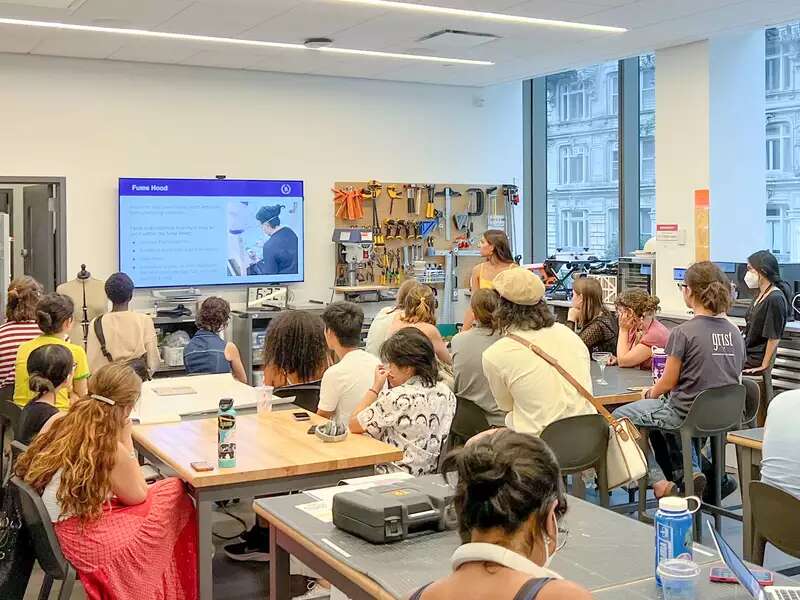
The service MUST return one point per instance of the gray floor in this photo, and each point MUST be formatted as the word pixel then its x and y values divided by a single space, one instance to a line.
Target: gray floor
pixel 246 581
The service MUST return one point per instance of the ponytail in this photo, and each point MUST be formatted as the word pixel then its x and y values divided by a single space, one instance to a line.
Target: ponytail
pixel 419 305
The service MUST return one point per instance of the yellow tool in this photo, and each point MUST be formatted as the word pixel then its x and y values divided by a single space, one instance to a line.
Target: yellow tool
pixel 372 191
pixel 394 193
pixel 430 208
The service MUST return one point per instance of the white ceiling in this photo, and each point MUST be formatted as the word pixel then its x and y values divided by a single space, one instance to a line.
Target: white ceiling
pixel 522 51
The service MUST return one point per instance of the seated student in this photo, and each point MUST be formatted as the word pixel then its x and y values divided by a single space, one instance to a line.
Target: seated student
pixel 345 383
pixel 207 352
pixel 416 411
pixel 49 369
pixel 780 463
pixel 127 336
pixel 127 541
pixel 54 317
pixel 509 500
pixel 766 318
pixel 294 349
pixel 532 390
pixel 703 353
pixel 639 330
pixel 592 321
pixel 467 347
pixel 419 311
pixel 379 328
pixel 20 325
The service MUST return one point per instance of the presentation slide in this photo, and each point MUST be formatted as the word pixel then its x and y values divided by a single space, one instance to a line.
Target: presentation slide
pixel 196 232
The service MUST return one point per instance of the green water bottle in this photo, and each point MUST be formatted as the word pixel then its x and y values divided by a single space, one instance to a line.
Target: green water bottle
pixel 226 434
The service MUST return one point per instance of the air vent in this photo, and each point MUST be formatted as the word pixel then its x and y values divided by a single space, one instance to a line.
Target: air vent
pixel 453 39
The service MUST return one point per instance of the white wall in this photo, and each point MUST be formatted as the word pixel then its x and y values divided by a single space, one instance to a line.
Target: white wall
pixel 95 121
pixel 682 155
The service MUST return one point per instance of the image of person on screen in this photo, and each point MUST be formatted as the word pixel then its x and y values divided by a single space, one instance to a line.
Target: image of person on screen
pixel 280 250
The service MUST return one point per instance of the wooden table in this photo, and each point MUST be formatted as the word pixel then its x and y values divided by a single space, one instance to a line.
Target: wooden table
pixel 619 380
pixel 274 455
pixel 593 556
pixel 748 444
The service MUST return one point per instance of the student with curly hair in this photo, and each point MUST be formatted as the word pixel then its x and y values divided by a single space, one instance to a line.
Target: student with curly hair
pixel 509 502
pixel 54 317
pixel 419 311
pixel 123 335
pixel 294 349
pixel 127 541
pixel 207 352
pixel 20 325
pixel 639 330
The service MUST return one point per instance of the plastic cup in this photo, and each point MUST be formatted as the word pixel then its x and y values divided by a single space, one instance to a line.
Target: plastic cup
pixel 679 578
pixel 264 399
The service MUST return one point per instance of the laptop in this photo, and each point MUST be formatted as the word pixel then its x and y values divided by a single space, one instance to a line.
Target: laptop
pixel 745 577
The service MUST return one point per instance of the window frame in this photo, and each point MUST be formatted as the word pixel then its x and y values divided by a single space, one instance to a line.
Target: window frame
pixel 781 143
pixel 566 91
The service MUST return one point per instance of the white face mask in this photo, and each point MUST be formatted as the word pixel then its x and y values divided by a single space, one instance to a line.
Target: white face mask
pixel 548 558
pixel 751 279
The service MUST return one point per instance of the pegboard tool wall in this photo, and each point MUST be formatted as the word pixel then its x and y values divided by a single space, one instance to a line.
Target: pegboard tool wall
pixel 404 216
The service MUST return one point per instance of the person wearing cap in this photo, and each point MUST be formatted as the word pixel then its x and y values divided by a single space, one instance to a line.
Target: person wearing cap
pixel 279 255
pixel 533 392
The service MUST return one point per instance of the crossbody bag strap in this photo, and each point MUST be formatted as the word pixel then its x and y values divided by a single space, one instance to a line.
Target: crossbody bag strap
pixel 98 331
pixel 574 382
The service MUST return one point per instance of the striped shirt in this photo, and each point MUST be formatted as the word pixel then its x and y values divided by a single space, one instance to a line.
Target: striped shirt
pixel 12 334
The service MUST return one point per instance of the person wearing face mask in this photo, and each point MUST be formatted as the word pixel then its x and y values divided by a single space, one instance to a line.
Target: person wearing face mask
pixel 703 353
pixel 279 254
pixel 590 319
pixel 417 409
pixel 509 500
pixel 767 316
pixel 496 253
pixel 639 330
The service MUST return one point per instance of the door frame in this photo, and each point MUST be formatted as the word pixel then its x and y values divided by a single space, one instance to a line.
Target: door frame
pixel 61 216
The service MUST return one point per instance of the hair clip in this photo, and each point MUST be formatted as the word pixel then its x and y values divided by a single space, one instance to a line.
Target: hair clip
pixel 108 401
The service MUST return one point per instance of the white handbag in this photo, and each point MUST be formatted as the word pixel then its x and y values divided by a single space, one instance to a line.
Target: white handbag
pixel 625 461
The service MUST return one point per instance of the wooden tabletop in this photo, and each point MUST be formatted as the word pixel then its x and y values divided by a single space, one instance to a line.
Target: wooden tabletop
pixel 268 446
pixel 749 438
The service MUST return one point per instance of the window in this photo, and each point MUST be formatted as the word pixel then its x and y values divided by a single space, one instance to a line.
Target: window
pixel 646 218
pixel 571 101
pixel 779 61
pixel 779 147
pixel 782 89
pixel 574 227
pixel 613 159
pixel 572 166
pixel 647 82
pixel 647 156
pixel 612 88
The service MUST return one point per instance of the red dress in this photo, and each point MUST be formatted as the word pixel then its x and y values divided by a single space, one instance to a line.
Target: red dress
pixel 142 552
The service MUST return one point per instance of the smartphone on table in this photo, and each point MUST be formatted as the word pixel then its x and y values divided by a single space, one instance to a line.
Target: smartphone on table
pixel 201 466
pixel 301 416
pixel 724 575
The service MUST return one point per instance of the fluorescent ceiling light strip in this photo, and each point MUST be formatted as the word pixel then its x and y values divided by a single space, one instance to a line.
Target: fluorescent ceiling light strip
pixel 478 14
pixel 190 37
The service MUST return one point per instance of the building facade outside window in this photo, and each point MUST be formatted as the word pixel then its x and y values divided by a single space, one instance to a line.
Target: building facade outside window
pixel 647 147
pixel 782 150
pixel 583 161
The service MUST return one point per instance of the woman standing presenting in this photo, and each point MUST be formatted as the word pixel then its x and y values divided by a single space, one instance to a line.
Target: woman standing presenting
pixel 496 252
pixel 766 318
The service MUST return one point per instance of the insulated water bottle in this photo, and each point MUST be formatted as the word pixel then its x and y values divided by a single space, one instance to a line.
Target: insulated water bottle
pixel 226 434
pixel 674 532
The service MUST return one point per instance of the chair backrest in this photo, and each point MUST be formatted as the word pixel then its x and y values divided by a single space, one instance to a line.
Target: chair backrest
pixel 468 421
pixel 716 411
pixel 37 521
pixel 9 412
pixel 578 442
pixel 306 395
pixel 775 516
pixel 751 401
pixel 17 448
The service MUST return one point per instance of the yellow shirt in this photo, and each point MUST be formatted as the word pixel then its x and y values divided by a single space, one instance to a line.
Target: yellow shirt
pixel 22 393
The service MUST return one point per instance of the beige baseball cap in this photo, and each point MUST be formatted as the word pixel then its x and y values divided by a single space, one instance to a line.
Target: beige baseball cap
pixel 519 286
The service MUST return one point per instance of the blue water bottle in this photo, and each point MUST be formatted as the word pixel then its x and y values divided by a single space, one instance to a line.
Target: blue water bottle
pixel 674 531
pixel 226 434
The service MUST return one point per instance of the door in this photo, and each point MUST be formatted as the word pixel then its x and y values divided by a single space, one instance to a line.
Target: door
pixel 39 237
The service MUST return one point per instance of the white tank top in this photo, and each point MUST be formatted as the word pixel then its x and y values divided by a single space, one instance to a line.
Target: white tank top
pixel 49 497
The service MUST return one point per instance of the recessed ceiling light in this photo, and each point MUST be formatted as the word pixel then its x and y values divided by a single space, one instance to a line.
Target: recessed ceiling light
pixel 479 14
pixel 238 41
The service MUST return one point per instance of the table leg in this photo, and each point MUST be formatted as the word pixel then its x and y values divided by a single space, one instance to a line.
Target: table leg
pixel 205 548
pixel 278 568
pixel 744 458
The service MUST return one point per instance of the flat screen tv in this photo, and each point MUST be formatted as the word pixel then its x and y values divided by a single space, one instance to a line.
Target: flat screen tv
pixel 202 232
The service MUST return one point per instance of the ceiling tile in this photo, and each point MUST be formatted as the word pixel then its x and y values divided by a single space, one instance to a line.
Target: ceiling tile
pixel 547 9
pixel 78 44
pixel 20 11
pixel 214 18
pixel 128 13
pixel 18 39
pixel 157 50
pixel 293 61
pixel 231 58
pixel 649 12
